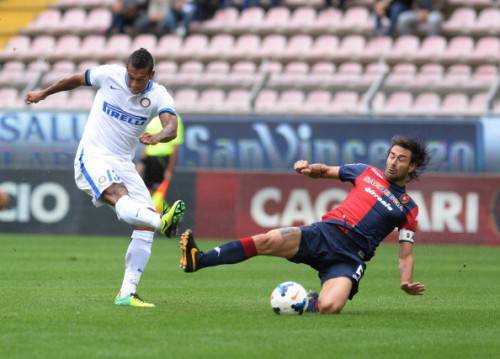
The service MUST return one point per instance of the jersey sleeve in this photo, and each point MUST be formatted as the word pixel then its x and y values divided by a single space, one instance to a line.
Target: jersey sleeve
pixel 96 76
pixel 166 103
pixel 349 172
pixel 409 226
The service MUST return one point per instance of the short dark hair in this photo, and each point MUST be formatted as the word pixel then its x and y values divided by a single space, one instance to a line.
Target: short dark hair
pixel 419 154
pixel 141 59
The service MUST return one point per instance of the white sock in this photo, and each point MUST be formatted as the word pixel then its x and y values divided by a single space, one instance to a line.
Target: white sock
pixel 138 253
pixel 134 213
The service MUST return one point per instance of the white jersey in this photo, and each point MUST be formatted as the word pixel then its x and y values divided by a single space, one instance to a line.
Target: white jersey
pixel 118 117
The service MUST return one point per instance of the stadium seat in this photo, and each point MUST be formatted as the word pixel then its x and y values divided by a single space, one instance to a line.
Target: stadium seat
pixel 223 20
pixel 164 71
pixel 246 47
pixel 324 48
pixel 13 74
pixel 458 50
pixel 293 76
pixel 146 41
pixel 321 75
pixel 192 48
pixel 351 48
pixel 167 47
pixel 272 47
pixel 41 47
pixel 397 104
pixel 298 48
pixel 215 74
pixel 457 76
pixel 98 21
pixel 477 105
pixel 483 78
pixel 302 20
pixel 426 104
pixel 276 20
pixel 454 104
pixel 117 47
pixel 355 20
pixel 71 21
pixel 186 100
pixel 85 65
pixel 211 100
pixel 405 48
pixel 81 99
pixel 220 47
pixel 401 77
pixel 345 103
pixel 348 75
pixel 327 21
pixel 237 101
pixel 91 48
pixel 487 50
pixel 67 47
pixel 45 23
pixel 55 102
pixel 266 101
pixel 10 99
pixel 289 102
pixel 317 102
pixel 488 22
pixel 58 71
pixel 15 48
pixel 431 50
pixel 248 21
pixel 461 21
pixel 377 48
pixel 189 74
pixel 243 74
pixel 428 78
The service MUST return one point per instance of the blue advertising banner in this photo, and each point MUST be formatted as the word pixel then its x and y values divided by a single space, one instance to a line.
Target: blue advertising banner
pixel 48 140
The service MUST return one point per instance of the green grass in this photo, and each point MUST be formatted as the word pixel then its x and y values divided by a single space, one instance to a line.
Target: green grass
pixel 57 297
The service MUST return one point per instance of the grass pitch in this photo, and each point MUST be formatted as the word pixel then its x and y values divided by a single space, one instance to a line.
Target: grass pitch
pixel 57 295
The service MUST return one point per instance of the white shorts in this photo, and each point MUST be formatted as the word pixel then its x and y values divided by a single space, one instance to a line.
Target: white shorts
pixel 95 172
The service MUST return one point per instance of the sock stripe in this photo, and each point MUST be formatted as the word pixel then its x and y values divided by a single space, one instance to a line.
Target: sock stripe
pixel 248 246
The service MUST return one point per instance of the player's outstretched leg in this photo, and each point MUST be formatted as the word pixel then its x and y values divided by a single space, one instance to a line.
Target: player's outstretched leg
pixel 170 218
pixel 192 259
pixel 132 300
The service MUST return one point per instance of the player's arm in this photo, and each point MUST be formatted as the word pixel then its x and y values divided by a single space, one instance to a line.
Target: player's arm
pixel 168 132
pixel 65 84
pixel 316 170
pixel 406 270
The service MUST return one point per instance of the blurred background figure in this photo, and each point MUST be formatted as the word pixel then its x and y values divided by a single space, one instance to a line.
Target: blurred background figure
pixel 4 200
pixel 404 16
pixel 125 13
pixel 153 20
pixel 178 18
pixel 158 162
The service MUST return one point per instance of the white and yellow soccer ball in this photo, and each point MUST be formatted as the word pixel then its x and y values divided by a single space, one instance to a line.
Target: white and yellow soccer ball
pixel 289 298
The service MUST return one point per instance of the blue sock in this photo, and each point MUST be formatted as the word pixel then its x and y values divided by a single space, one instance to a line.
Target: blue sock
pixel 229 253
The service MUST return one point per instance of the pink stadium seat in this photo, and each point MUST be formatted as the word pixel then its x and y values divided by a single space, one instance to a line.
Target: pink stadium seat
pixel 46 22
pixel 246 47
pixel 118 47
pixel 345 102
pixel 223 20
pixel 457 76
pixel 348 75
pixel 67 46
pixel 12 74
pixel 146 41
pixel 429 77
pixel 272 46
pixel 91 48
pixel 302 20
pixel 164 71
pixel 461 21
pixel 189 74
pixel 405 47
pixel 249 21
pixel 454 104
pixel 15 48
pixel 488 22
pixel 193 47
pixel 10 99
pixel 477 105
pixel 327 21
pixel 243 75
pixel 58 71
pixel 397 104
pixel 71 21
pixel 186 100
pixel 85 65
pixel 220 47
pixel 266 101
pixel 298 48
pixel 237 101
pixel 483 78
pixel 98 21
pixel 431 50
pixel 355 20
pixel 377 48
pixel 290 102
pixel 426 104
pixel 294 75
pixel 276 20
pixel 41 48
pixel 57 101
pixel 487 50
pixel 211 100
pixel 401 76
pixel 371 74
pixel 321 75
pixel 317 102
pixel 215 74
pixel 168 46
pixel 351 48
pixel 459 49
pixel 324 48
pixel 81 99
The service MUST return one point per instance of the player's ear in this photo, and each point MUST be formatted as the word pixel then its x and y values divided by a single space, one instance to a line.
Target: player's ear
pixel 152 74
pixel 412 167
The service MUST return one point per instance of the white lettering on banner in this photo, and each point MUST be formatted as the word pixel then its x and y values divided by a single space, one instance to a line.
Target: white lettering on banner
pixel 299 206
pixel 30 202
pixel 446 208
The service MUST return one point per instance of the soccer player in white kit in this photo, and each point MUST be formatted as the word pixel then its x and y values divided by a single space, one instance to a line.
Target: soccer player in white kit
pixel 126 100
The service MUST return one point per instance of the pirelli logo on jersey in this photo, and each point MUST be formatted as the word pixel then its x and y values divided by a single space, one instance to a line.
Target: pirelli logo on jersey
pixel 119 114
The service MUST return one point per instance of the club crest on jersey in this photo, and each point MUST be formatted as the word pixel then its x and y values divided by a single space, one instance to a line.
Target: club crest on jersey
pixel 405 198
pixel 145 102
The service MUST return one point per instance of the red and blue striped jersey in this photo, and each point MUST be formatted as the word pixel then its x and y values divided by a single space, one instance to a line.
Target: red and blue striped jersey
pixel 373 208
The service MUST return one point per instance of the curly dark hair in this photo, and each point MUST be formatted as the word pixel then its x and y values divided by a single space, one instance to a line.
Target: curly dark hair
pixel 140 59
pixel 419 154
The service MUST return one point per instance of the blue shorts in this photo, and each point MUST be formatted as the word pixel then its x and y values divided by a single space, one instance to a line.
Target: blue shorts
pixel 327 249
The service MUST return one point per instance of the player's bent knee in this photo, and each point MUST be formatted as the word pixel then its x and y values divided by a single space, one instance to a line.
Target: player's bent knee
pixel 329 307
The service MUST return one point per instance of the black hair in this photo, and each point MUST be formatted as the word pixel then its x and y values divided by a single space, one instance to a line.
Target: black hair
pixel 141 59
pixel 419 154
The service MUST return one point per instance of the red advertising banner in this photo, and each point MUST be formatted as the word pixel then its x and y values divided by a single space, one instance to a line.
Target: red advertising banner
pixel 459 210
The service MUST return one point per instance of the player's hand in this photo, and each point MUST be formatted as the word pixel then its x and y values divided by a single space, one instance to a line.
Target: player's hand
pixel 415 288
pixel 302 167
pixel 148 139
pixel 35 96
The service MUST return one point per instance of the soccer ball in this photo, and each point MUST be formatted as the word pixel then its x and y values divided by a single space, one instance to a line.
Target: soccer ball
pixel 289 298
